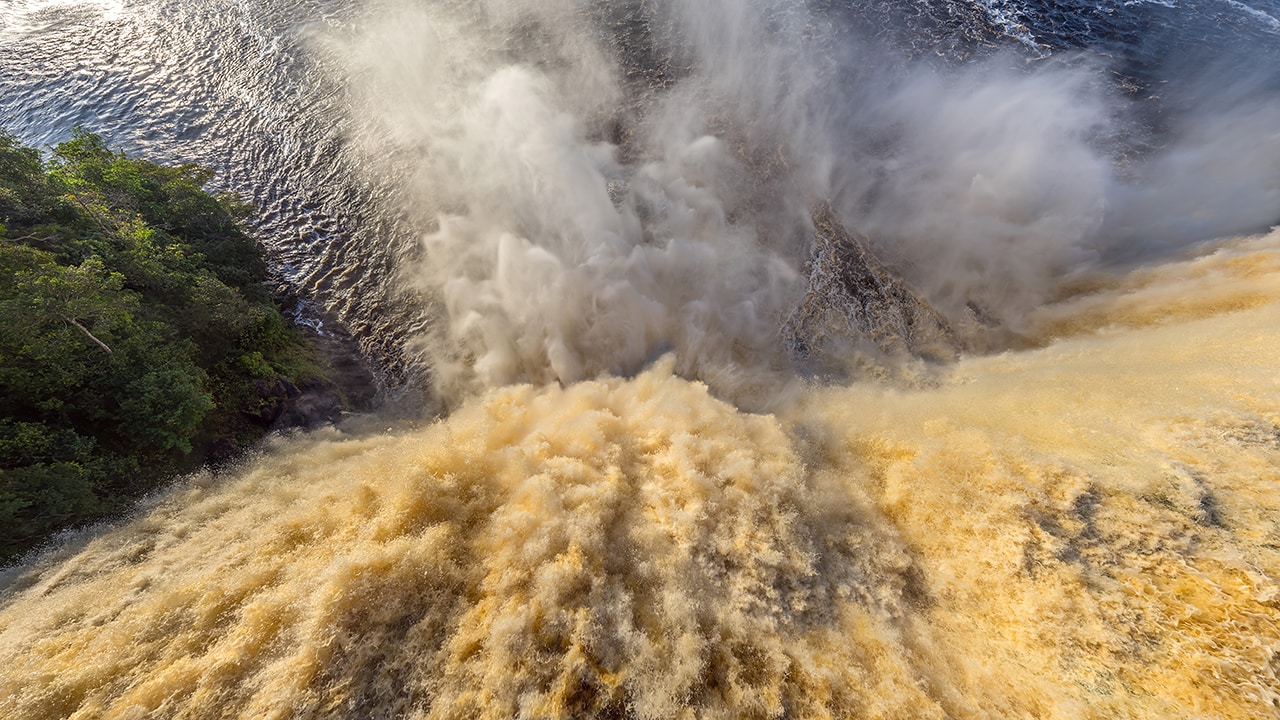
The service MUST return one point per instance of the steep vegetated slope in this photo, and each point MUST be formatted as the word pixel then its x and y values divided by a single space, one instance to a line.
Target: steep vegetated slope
pixel 137 336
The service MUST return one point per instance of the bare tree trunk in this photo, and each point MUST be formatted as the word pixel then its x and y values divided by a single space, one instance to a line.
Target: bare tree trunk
pixel 94 216
pixel 85 330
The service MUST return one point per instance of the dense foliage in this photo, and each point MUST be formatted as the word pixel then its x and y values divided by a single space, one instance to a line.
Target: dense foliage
pixel 135 332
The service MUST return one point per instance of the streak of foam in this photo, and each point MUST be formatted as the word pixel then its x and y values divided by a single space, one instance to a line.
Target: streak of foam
pixel 1087 529
pixel 1006 17
pixel 25 16
pixel 1267 20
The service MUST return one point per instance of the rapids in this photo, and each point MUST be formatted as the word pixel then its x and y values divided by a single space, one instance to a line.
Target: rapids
pixel 572 233
pixel 1086 529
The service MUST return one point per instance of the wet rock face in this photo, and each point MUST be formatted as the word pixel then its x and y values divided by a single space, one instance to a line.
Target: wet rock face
pixel 268 400
pixel 317 403
pixel 278 404
pixel 220 451
pixel 853 300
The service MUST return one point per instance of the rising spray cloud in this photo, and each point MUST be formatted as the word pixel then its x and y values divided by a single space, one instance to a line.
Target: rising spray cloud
pixel 598 186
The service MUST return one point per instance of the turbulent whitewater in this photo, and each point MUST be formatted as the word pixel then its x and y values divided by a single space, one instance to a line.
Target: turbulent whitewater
pixel 775 360
pixel 1088 529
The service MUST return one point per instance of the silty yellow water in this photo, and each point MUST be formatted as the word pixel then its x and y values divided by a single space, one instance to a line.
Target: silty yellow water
pixel 1085 528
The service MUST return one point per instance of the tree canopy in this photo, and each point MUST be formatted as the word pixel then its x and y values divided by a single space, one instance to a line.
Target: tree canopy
pixel 135 332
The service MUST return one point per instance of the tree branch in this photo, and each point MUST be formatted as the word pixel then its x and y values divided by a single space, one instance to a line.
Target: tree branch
pixel 92 215
pixel 86 332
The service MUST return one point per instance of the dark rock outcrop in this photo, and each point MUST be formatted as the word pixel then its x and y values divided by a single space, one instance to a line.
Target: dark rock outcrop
pixel 854 300
pixel 279 404
pixel 317 403
pixel 268 399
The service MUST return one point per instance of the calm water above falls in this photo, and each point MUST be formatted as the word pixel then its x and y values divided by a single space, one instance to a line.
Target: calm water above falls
pixel 587 224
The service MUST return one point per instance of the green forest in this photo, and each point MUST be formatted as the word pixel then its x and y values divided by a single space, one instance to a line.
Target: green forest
pixel 137 336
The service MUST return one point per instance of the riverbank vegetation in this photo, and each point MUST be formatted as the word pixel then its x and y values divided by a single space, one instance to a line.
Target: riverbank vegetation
pixel 137 336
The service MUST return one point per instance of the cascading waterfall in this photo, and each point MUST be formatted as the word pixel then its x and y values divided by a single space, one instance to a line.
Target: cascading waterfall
pixel 666 486
pixel 1087 529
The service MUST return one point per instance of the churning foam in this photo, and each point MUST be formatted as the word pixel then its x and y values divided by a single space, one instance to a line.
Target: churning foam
pixel 1086 529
